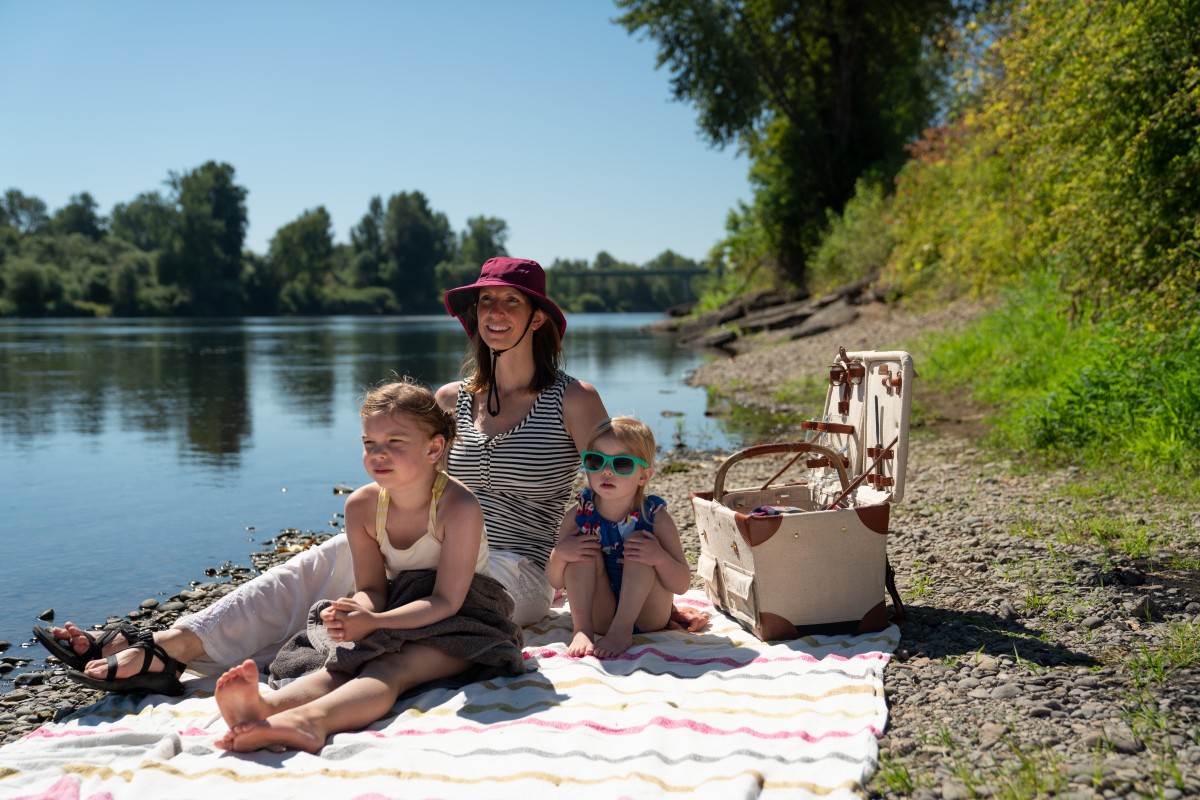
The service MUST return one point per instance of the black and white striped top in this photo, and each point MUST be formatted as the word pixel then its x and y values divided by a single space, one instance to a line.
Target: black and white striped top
pixel 523 477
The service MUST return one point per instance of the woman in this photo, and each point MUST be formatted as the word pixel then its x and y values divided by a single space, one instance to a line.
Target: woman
pixel 522 422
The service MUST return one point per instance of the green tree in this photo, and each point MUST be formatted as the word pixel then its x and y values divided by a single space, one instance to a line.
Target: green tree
pixel 129 280
pixel 415 240
pixel 146 222
pixel 33 288
pixel 80 216
pixel 484 238
pixel 816 93
pixel 366 241
pixel 24 212
pixel 301 257
pixel 204 254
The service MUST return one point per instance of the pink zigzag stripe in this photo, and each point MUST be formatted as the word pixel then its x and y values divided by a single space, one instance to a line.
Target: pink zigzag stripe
pixel 44 733
pixel 660 722
pixel 635 655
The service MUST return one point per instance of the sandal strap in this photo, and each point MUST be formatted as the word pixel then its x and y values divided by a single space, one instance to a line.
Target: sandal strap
pixel 152 650
pixel 98 643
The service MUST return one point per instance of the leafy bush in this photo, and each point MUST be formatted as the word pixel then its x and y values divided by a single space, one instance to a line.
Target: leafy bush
pixel 856 243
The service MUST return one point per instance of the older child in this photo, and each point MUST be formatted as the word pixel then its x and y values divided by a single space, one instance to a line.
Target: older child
pixel 618 552
pixel 424 607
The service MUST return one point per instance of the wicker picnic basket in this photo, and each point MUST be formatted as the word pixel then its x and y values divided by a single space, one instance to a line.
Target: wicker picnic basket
pixel 793 557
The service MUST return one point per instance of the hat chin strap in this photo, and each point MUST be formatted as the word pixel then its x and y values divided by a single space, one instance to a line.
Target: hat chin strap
pixel 493 387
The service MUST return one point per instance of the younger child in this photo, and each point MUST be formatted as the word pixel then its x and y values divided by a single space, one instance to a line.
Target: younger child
pixel 618 552
pixel 423 602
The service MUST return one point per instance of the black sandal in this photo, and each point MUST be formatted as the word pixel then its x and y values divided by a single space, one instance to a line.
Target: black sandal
pixel 165 682
pixel 67 655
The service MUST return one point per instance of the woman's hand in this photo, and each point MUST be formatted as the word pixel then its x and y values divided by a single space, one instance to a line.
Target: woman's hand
pixel 347 620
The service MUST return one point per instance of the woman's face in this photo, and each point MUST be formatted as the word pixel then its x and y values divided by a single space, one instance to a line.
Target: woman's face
pixel 502 313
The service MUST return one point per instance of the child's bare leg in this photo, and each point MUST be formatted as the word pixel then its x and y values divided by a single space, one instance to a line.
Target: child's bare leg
pixel 355 704
pixel 240 701
pixel 581 578
pixel 644 602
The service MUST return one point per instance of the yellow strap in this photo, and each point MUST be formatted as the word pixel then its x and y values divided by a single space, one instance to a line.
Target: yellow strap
pixel 381 507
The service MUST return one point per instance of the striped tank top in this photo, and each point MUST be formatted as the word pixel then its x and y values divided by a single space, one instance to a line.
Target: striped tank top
pixel 522 477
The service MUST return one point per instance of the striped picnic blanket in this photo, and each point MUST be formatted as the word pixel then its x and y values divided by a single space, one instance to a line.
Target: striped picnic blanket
pixel 716 714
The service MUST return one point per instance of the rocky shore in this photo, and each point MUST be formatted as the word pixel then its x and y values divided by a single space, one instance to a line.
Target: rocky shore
pixel 1035 662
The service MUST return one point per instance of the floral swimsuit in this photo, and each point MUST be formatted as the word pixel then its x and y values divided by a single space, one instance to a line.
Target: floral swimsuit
pixel 612 535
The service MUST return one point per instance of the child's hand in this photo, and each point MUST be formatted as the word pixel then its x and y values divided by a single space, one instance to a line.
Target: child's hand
pixel 643 548
pixel 348 621
pixel 577 546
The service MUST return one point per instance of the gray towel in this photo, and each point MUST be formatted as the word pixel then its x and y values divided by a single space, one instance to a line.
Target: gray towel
pixel 482 631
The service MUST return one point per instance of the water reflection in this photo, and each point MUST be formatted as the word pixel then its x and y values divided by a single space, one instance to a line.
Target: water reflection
pixel 156 377
pixel 193 381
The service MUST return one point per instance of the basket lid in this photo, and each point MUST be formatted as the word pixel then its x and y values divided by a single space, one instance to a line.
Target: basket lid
pixel 867 407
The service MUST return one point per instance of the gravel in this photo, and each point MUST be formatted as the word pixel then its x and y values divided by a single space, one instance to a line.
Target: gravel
pixel 1033 663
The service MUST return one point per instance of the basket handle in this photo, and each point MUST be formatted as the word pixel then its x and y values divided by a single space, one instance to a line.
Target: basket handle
pixel 771 449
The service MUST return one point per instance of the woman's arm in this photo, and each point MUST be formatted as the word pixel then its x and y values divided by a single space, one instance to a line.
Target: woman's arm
pixel 447 397
pixel 583 410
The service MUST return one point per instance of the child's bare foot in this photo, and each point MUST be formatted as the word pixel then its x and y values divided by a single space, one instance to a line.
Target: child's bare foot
pixel 238 697
pixel 581 645
pixel 613 643
pixel 287 730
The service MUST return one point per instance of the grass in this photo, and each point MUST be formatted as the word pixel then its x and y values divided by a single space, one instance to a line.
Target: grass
pixel 1091 393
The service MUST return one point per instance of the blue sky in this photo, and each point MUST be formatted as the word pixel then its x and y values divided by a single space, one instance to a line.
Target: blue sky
pixel 543 113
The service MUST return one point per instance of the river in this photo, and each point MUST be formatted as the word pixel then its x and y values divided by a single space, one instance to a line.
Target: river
pixel 136 453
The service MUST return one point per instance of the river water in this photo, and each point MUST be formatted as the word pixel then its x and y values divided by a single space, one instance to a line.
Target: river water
pixel 136 453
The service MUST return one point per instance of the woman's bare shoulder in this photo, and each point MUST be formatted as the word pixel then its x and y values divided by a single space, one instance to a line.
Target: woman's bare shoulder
pixel 447 396
pixel 582 408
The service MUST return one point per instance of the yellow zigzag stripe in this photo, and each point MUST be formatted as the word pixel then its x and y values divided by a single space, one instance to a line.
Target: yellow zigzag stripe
pixel 104 773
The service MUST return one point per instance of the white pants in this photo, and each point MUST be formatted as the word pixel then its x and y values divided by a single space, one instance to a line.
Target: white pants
pixel 258 617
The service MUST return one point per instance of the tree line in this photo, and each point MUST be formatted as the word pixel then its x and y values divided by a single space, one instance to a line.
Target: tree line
pixel 182 253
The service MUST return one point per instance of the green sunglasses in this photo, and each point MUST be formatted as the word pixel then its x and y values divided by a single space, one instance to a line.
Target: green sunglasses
pixel 621 465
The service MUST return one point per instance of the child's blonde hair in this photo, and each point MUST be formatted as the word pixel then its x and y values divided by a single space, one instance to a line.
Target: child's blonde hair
pixel 406 396
pixel 635 436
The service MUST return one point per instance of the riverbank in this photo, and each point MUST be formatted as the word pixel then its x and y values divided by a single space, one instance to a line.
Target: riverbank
pixel 1034 662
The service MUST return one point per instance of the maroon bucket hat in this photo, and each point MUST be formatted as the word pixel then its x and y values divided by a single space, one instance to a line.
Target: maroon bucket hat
pixel 519 273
